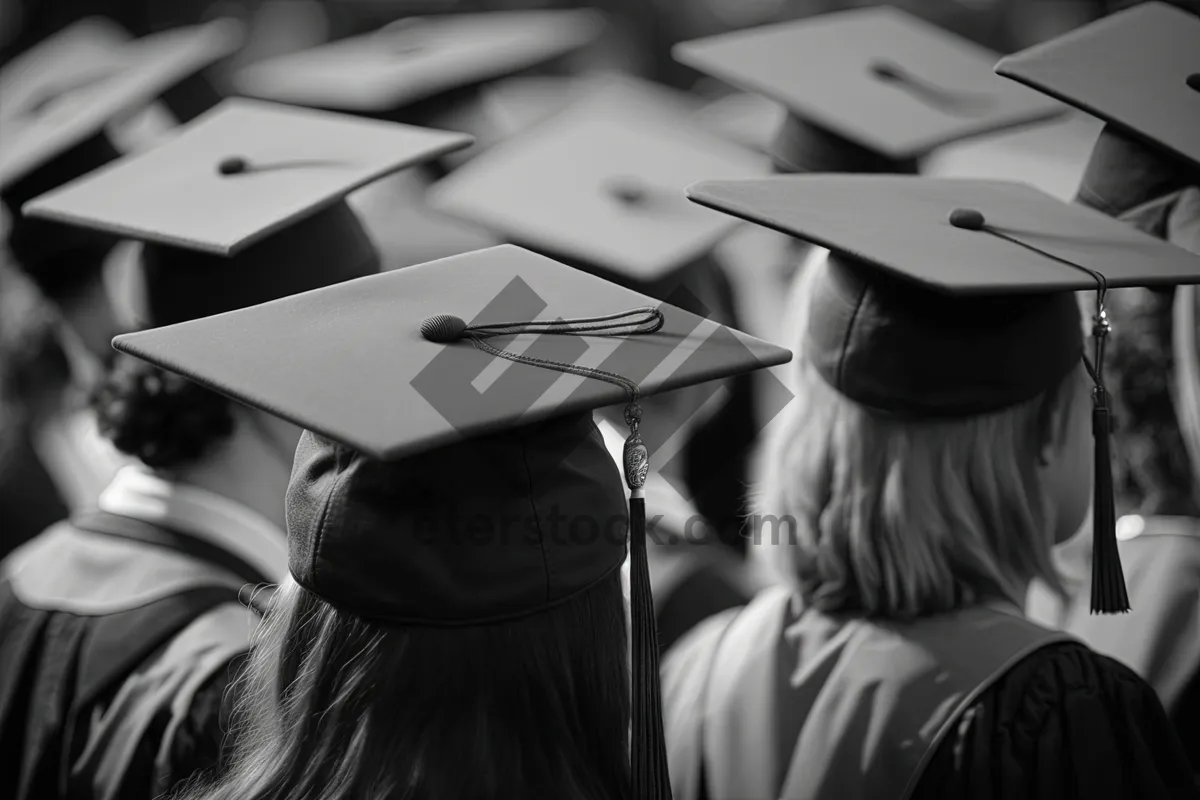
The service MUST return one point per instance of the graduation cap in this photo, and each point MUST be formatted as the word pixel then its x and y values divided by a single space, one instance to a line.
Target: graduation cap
pixel 601 186
pixel 244 204
pixel 389 473
pixel 956 298
pixel 1139 71
pixel 868 90
pixel 389 71
pixel 54 128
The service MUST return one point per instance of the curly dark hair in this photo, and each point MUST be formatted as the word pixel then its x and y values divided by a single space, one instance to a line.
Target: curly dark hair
pixel 160 418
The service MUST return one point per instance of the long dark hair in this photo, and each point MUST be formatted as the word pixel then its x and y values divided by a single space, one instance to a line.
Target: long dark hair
pixel 337 707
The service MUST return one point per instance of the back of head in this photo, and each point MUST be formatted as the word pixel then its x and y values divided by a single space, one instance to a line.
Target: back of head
pixel 896 516
pixel 163 420
pixel 336 706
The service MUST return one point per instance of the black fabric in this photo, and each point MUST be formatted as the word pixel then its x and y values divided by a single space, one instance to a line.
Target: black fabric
pixel 59 257
pixel 199 743
pixel 1064 724
pixel 191 97
pixel 1185 714
pixel 118 643
pixel 29 500
pixel 401 542
pixel 802 147
pixel 56 666
pixel 328 247
pixel 884 342
pixel 1123 173
pixel 160 536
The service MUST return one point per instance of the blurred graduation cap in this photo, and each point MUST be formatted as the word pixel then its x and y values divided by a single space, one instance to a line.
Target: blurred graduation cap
pixel 245 204
pixel 1139 71
pixel 955 298
pixel 419 68
pixel 405 490
pixel 81 53
pixel 55 129
pixel 867 90
pixel 601 184
pixel 523 102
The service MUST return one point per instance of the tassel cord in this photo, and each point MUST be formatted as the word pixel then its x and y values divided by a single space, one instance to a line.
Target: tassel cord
pixel 648 756
pixel 1109 593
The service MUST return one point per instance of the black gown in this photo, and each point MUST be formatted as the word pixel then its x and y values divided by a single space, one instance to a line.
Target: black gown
pixel 116 659
pixel 1065 723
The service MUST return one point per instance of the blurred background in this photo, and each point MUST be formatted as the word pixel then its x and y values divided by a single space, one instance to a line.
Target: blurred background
pixel 42 397
pixel 639 40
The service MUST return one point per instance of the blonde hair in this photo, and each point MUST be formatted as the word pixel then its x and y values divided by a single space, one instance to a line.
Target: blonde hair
pixel 898 519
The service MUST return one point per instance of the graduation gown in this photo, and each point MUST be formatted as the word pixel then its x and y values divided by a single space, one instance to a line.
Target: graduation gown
pixel 118 641
pixel 768 702
pixel 1159 638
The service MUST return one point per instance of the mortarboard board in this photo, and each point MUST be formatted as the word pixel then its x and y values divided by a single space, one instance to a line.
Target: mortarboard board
pixel 956 298
pixel 601 185
pixel 868 90
pixel 380 73
pixel 61 134
pixel 244 204
pixel 1139 71
pixel 389 472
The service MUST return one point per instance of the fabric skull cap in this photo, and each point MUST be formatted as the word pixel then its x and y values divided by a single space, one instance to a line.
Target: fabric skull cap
pixel 245 204
pixel 867 90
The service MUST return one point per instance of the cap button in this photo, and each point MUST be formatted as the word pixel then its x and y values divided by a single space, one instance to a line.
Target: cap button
pixel 443 328
pixel 886 71
pixel 627 190
pixel 234 165
pixel 967 218
pixel 1193 81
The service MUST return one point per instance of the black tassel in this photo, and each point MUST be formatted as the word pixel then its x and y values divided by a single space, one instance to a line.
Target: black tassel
pixel 651 780
pixel 1108 578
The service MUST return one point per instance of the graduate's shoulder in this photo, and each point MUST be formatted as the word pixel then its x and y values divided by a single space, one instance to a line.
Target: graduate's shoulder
pixel 1064 721
pixel 1068 672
